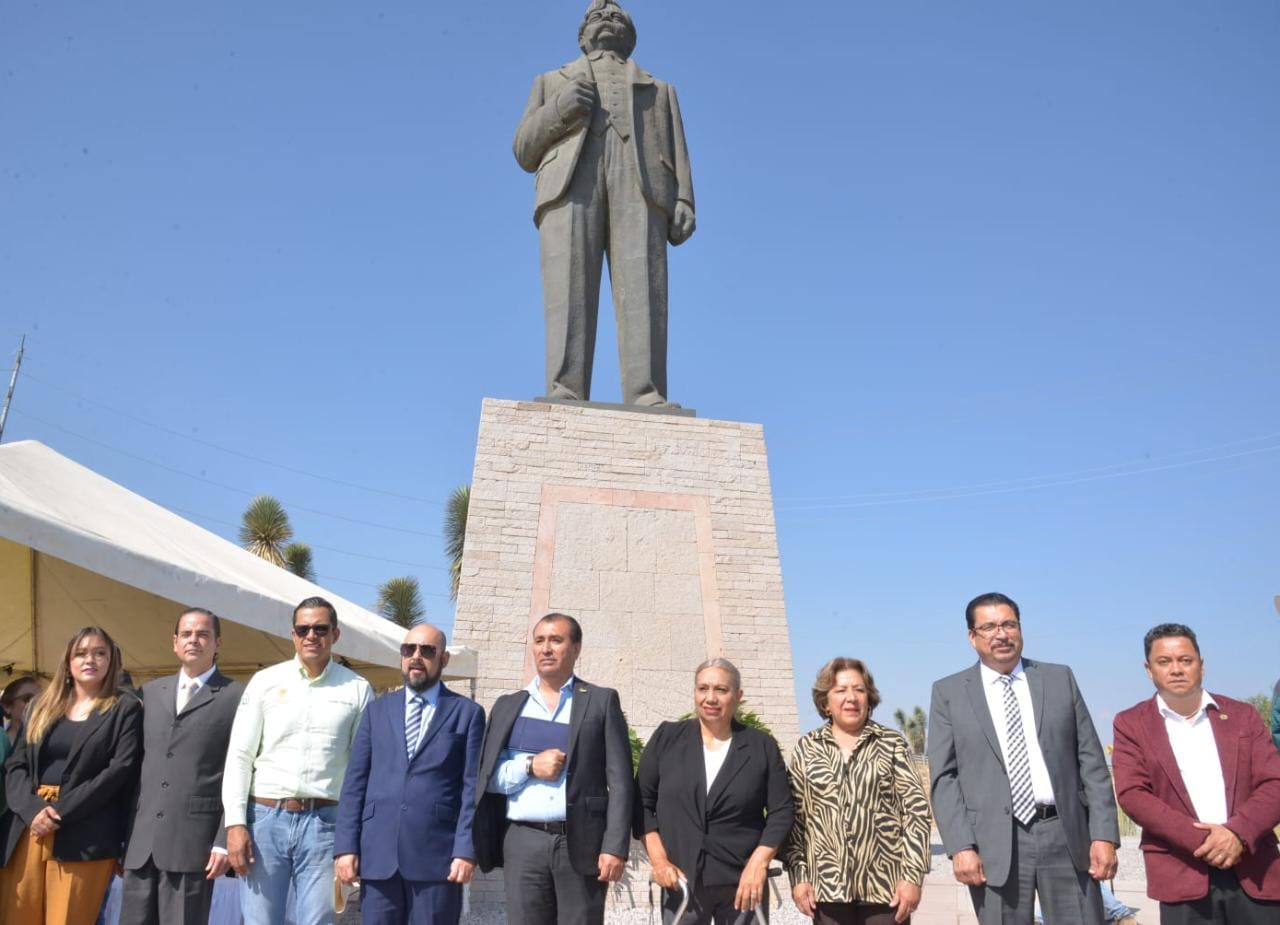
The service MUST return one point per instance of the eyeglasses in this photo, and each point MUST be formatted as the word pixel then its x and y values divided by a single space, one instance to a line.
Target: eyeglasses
pixel 303 630
pixel 990 629
pixel 426 649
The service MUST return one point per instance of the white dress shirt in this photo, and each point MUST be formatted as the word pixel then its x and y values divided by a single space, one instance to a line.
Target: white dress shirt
pixel 292 735
pixel 994 689
pixel 1196 752
pixel 430 700
pixel 193 685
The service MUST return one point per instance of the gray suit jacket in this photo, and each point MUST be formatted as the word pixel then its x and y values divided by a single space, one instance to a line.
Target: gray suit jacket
pixel 971 800
pixel 177 816
pixel 549 145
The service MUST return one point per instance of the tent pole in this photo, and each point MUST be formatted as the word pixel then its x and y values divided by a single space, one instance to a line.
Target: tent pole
pixel 35 623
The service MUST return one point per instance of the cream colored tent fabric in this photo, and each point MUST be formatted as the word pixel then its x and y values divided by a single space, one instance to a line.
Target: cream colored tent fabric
pixel 76 549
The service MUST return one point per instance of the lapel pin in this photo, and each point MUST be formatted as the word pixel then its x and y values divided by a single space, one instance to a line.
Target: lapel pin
pixel 1222 716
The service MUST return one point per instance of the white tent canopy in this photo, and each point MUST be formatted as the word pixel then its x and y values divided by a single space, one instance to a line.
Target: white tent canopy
pixel 78 549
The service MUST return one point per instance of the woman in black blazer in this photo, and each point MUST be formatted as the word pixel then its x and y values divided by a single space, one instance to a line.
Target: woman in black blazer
pixel 68 783
pixel 714 805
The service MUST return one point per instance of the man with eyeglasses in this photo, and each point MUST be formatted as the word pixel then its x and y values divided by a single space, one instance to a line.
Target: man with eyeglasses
pixel 1021 792
pixel 286 759
pixel 405 831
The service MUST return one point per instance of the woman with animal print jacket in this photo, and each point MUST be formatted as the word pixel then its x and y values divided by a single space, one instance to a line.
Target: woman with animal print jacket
pixel 859 849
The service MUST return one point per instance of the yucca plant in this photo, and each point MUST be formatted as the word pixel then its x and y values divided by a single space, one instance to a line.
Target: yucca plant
pixel 455 534
pixel 265 529
pixel 400 601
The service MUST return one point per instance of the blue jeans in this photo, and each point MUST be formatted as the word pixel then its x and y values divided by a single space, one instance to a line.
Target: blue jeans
pixel 290 849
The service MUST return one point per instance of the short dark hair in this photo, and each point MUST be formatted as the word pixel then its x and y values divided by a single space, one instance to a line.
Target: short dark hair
pixel 11 689
pixel 826 680
pixel 1168 631
pixel 217 624
pixel 990 599
pixel 317 603
pixel 575 628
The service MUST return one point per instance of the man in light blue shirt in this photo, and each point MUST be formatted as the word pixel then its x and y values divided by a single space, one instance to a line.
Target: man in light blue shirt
pixel 556 774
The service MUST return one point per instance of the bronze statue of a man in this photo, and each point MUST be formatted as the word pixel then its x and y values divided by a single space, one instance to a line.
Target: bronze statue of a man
pixel 606 142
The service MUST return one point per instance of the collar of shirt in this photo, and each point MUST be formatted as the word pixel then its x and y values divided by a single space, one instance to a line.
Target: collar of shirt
pixel 1206 701
pixel 870 730
pixel 302 670
pixel 535 691
pixel 991 676
pixel 430 697
pixel 201 680
pixel 607 55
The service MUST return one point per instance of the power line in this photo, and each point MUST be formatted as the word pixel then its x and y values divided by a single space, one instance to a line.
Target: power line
pixel 345 552
pixel 1003 483
pixel 1052 484
pixel 225 487
pixel 228 450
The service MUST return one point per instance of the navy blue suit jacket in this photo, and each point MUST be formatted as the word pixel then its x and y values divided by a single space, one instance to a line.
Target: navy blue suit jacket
pixel 411 817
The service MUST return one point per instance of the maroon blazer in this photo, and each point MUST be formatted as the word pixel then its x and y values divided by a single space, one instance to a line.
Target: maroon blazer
pixel 1149 787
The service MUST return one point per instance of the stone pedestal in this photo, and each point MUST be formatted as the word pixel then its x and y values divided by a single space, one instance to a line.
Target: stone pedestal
pixel 655 531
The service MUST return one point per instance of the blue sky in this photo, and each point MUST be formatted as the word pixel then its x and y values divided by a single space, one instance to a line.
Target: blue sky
pixel 1000 281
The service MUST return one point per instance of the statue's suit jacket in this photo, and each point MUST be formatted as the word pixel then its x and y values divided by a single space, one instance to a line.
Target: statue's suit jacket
pixel 549 145
pixel 405 816
pixel 177 816
pixel 598 794
pixel 971 800
pixel 1150 787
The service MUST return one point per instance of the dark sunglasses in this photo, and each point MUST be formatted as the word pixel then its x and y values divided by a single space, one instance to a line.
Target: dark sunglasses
pixel 427 650
pixel 302 631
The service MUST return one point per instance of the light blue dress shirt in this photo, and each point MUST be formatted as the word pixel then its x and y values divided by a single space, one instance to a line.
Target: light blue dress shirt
pixel 431 698
pixel 528 798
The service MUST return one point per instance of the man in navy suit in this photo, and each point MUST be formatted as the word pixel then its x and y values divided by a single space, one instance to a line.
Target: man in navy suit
pixel 405 831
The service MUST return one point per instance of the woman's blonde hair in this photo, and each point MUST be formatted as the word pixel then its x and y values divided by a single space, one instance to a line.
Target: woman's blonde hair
pixel 53 702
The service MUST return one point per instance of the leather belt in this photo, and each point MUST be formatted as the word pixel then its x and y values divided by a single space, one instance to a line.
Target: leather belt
pixel 1044 811
pixel 551 828
pixel 294 804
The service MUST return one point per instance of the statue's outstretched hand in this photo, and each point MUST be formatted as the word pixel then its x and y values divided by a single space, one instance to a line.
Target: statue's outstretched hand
pixel 682 224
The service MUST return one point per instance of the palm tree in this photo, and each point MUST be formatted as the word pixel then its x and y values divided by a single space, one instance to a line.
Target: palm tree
pixel 265 529
pixel 455 533
pixel 400 601
pixel 297 559
pixel 913 727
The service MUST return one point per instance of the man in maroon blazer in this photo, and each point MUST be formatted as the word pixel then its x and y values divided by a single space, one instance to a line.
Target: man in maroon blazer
pixel 1198 772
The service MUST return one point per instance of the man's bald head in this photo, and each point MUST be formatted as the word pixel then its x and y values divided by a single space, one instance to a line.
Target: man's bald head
pixel 423 656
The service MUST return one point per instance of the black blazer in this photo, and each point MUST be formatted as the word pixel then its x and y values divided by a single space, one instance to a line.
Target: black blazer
pixel 97 784
pixel 710 836
pixel 598 794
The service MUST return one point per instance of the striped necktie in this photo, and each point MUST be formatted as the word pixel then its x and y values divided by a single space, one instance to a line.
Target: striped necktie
pixel 413 725
pixel 1024 799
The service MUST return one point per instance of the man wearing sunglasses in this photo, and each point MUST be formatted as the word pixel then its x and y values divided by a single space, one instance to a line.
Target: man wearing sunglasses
pixel 405 831
pixel 288 753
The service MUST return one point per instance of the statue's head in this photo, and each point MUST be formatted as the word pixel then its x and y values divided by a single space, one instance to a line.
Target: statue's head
pixel 607 27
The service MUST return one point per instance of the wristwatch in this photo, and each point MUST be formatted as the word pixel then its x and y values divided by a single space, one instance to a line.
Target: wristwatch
pixel 528 766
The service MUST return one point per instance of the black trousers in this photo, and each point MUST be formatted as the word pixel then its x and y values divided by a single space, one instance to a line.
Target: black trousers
pixel 541 885
pixel 1225 904
pixel 159 897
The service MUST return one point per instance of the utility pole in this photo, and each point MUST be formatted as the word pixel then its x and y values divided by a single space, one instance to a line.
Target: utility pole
pixel 13 381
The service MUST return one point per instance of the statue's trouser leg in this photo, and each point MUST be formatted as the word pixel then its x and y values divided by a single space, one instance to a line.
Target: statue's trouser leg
pixel 638 276
pixel 572 235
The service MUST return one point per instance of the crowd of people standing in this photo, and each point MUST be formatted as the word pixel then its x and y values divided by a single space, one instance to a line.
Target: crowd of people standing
pixel 304 784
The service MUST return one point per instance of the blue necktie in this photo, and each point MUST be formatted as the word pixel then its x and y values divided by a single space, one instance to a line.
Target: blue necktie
pixel 1024 800
pixel 412 725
